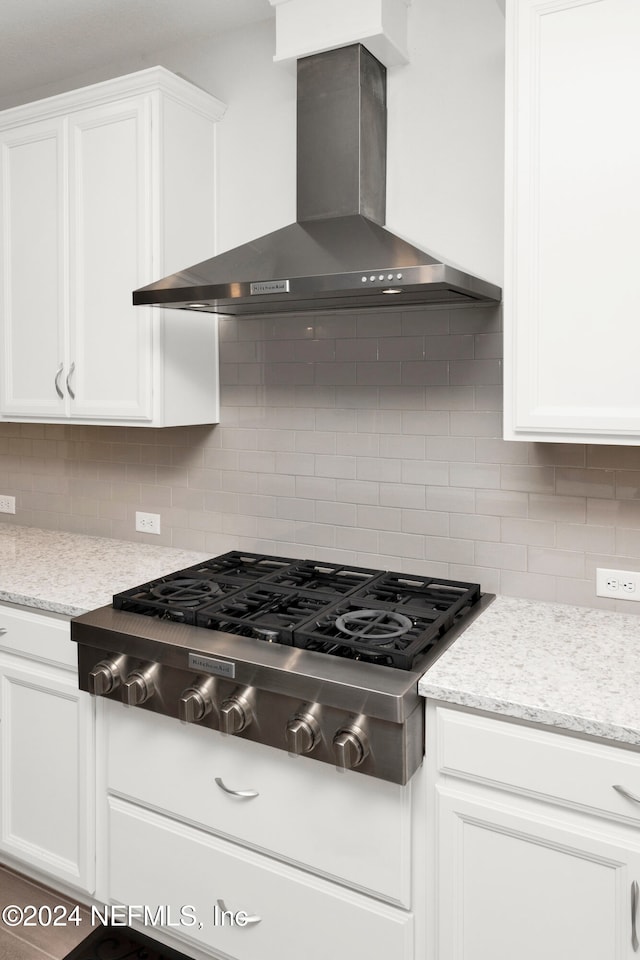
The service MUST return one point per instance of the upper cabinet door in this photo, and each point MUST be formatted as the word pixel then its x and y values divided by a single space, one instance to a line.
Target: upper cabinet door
pixel 33 267
pixel 110 180
pixel 572 337
pixel 102 190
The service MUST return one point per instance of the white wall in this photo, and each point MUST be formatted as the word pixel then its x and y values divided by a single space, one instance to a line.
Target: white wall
pixel 446 134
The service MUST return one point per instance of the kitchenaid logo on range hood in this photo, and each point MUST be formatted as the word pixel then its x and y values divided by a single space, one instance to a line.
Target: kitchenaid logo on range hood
pixel 270 286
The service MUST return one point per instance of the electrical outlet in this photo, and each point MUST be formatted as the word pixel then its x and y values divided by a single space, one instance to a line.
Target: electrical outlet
pixel 147 522
pixel 7 504
pixel 621 584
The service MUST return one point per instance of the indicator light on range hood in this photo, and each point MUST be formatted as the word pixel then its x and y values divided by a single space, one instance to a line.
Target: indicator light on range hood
pixel 392 290
pixel 389 276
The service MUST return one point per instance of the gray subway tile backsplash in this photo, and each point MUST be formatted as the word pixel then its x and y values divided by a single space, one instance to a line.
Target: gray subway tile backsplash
pixel 374 438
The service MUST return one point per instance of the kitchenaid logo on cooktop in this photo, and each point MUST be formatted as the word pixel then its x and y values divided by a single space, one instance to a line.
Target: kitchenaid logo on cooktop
pixel 222 668
pixel 270 286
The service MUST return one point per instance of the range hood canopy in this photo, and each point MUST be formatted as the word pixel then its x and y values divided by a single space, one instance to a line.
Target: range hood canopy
pixel 337 255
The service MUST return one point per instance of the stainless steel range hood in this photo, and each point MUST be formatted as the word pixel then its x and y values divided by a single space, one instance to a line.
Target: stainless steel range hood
pixel 337 255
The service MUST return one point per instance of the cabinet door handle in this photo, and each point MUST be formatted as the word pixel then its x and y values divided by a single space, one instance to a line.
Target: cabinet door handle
pixel 69 375
pixel 246 794
pixel 634 911
pixel 3 630
pixel 246 919
pixel 626 793
pixel 57 382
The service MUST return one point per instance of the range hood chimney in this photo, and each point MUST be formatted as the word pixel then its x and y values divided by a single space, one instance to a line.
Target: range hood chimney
pixel 337 255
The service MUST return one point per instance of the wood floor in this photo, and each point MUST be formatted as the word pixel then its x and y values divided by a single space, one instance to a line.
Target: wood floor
pixel 39 942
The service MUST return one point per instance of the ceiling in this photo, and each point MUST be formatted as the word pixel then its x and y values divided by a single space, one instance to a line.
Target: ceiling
pixel 45 41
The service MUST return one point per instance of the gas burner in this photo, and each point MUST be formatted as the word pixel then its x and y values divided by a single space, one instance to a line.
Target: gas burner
pixel 399 633
pixel 429 597
pixel 178 596
pixel 266 612
pixel 376 627
pixel 244 567
pixel 187 593
pixel 324 577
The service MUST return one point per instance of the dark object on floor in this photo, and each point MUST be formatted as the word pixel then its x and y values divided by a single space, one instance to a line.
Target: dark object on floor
pixel 122 943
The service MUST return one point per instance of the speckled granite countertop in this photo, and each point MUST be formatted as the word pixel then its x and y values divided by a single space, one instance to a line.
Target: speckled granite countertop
pixel 569 667
pixel 69 573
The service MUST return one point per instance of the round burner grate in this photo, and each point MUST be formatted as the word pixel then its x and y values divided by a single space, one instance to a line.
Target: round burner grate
pixel 374 626
pixel 186 592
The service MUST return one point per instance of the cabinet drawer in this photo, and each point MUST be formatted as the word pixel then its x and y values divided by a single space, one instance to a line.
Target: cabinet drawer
pixel 45 637
pixel 345 826
pixel 537 762
pixel 159 863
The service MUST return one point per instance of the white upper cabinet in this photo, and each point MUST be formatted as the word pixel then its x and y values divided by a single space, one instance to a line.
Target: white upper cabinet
pixel 572 336
pixel 104 190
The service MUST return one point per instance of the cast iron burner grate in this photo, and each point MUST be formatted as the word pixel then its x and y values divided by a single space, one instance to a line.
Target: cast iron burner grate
pixel 375 627
pixel 185 592
pixel 430 596
pixel 242 566
pixel 325 577
pixel 266 611
pixel 392 632
pixel 318 606
pixel 179 595
pixel 399 648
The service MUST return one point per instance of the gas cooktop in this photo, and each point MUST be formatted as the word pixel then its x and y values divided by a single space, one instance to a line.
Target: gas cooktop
pixel 386 618
pixel 318 659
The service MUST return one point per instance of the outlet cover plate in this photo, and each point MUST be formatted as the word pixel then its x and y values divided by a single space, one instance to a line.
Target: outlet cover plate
pixel 619 584
pixel 147 522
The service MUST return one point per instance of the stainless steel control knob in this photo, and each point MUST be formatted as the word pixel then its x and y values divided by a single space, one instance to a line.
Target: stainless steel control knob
pixel 302 733
pixel 235 714
pixel 351 747
pixel 195 703
pixel 137 688
pixel 104 678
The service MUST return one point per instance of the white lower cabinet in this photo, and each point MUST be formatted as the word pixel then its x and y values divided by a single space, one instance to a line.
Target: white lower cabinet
pixel 47 774
pixel 525 860
pixel 289 913
pixel 325 860
pixel 342 826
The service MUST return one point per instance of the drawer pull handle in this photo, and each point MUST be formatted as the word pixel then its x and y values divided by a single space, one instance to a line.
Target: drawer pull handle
pixel 245 794
pixel 626 793
pixel 246 920
pixel 634 911
pixel 3 630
